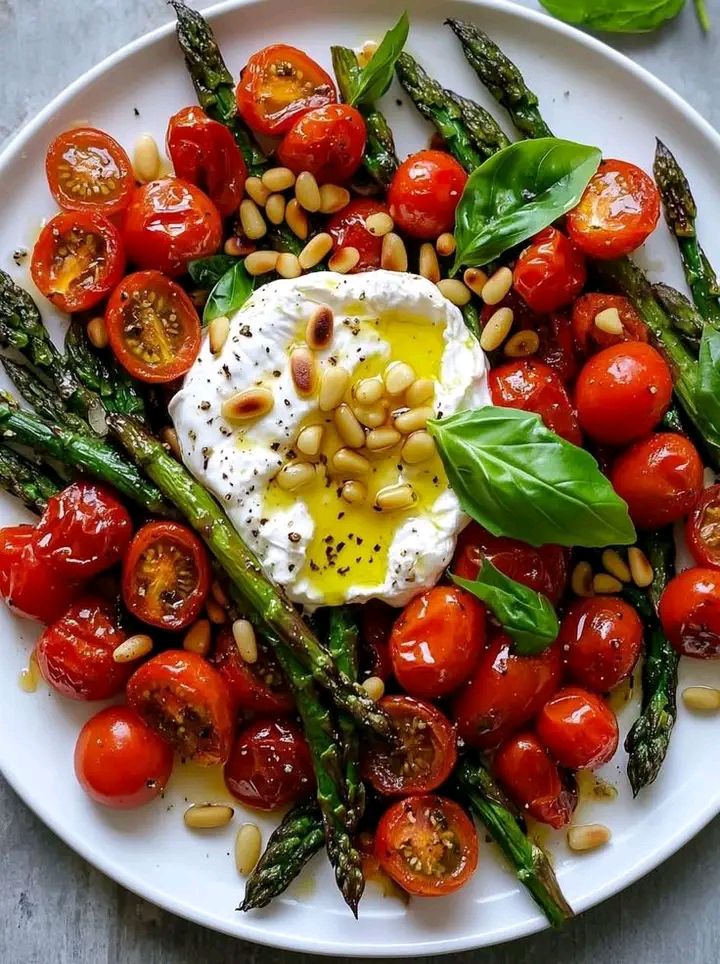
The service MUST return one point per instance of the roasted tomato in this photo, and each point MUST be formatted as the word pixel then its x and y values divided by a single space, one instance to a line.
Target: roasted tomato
pixel 505 692
pixel 205 153
pixel 153 327
pixel 184 699
pixel 557 346
pixel 83 531
pixel 168 223
pixel 425 757
pixel 533 781
pixel 270 765
pixel 690 613
pixel 578 729
pixel 660 478
pixel 347 229
pixel 166 575
pixel 77 260
pixel 589 337
pixel 617 213
pixel 327 141
pixel 601 640
pixel 257 688
pixel 427 844
pixel 550 273
pixel 530 385
pixel 622 393
pixel 119 761
pixel 279 84
pixel 88 170
pixel 28 585
pixel 424 193
pixel 702 529
pixel 75 653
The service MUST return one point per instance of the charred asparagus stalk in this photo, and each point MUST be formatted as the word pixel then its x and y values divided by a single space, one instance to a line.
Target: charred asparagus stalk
pixel 343 635
pixel 484 131
pixel 682 313
pixel 28 481
pixel 115 388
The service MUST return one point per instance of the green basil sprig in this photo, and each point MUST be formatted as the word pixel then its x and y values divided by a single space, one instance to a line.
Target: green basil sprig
pixel 377 75
pixel 525 615
pixel 230 293
pixel 516 193
pixel 518 479
pixel 206 272
pixel 707 392
pixel 615 16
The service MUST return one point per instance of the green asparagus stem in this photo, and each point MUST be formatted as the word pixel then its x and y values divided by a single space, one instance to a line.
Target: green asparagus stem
pixel 484 131
pixel 43 399
pixel 703 15
pixel 103 376
pixel 683 315
pixel 28 481
pixel 343 635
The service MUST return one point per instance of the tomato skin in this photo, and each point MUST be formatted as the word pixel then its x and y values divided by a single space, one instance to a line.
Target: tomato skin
pixel 270 765
pixel 533 781
pixel 530 385
pixel 327 141
pixel 578 729
pixel 247 684
pixel 30 587
pixel 424 193
pixel 622 393
pixel 347 229
pixel 601 639
pixel 88 154
pixel 119 761
pixel 690 613
pixel 617 213
pixel 377 621
pixel 589 338
pixel 168 223
pixel 701 532
pixel 660 478
pixel 550 273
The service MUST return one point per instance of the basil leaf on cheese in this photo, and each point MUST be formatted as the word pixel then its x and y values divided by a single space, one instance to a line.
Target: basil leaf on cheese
pixel 230 293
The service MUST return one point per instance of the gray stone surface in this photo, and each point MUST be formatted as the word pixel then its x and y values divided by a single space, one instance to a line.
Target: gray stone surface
pixel 55 908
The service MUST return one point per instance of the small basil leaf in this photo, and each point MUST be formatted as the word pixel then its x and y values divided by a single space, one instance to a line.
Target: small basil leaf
pixel 206 272
pixel 707 392
pixel 377 75
pixel 516 193
pixel 525 615
pixel 615 16
pixel 518 479
pixel 230 293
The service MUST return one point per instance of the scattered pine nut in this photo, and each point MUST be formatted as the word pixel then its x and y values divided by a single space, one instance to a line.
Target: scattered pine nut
pixel 261 262
pixel 97 332
pixel 455 291
pixel 393 256
pixel 146 159
pixel 421 390
pixel 497 286
pixel 170 438
pixel 581 580
pixel 320 327
pixel 413 420
pixel 315 250
pixel 368 391
pixel 419 447
pixel 367 52
pixel 589 837
pixel 309 440
pixel 248 844
pixel 248 404
pixel 371 416
pixel 134 647
pixel 245 640
pixel 218 331
pixel 344 260
pixel 307 192
pixel 374 687
pixel 296 219
pixel 445 245
pixel 496 329
pixel 219 595
pixel 616 565
pixel 398 377
pixel 476 280
pixel 379 224
pixel 429 266
pixel 353 492
pixel 608 320
pixel 197 638
pixel 379 439
pixel 295 475
pixel 349 429
pixel 604 584
pixel 236 247
pixel 304 371
pixel 253 223
pixel 275 209
pixel 216 614
pixel 256 191
pixel 703 698
pixel 333 198
pixel 278 179
pixel 349 462
pixel 208 816
pixel 522 344
pixel 392 498
pixel 640 568
pixel 288 265
pixel 333 385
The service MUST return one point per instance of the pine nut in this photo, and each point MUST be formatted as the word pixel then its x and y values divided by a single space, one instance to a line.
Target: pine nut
pixel 253 223
pixel 367 52
pixel 97 332
pixel 349 429
pixel 353 492
pixel 522 344
pixel 146 159
pixel 170 438
pixel 288 265
pixel 616 565
pixel 218 332
pixel 398 377
pixel 497 286
pixel 248 844
pixel 419 447
pixel 315 250
pixel 333 385
pixel 476 280
pixel 208 816
pixel 296 219
pixel 278 179
pixel 445 245
pixel 275 209
pixel 382 438
pixel 581 580
pixel 197 638
pixel 496 329
pixel 351 463
pixel 372 416
pixel 455 291
pixel 589 837
pixel 333 198
pixel 393 256
pixel 134 647
pixel 261 262
pixel 605 584
pixel 420 391
pixel 237 247
pixel 640 568
pixel 219 595
pixel 704 698
pixel 309 440
pixel 216 614
pixel 413 419
pixel 374 687
pixel 304 372
pixel 392 498
pixel 319 329
pixel 245 640
pixel 368 391
pixel 256 191
pixel 429 266
pixel 249 404
pixel 344 260
pixel 379 224
pixel 294 475
pixel 608 320
pixel 307 192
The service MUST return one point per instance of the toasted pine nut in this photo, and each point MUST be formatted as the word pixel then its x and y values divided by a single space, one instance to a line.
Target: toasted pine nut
pixel 319 329
pixel 134 647
pixel 616 565
pixel 393 256
pixel 216 614
pixel 367 52
pixel 379 224
pixel 428 265
pixel 309 440
pixel 170 438
pixel 248 844
pixel 97 332
pixel 640 568
pixel 608 320
pixel 398 377
pixel 344 260
pixel 368 391
pixel 455 291
pixel 251 403
pixel 261 262
pixel 349 429
pixel 419 447
pixel 256 190
pixel 307 192
pixel 374 687
pixel 496 329
pixel 296 219
pixel 245 640
pixel 379 439
pixel 197 638
pixel 346 461
pixel 333 198
pixel 278 179
pixel 371 416
pixel 304 371
pixel 218 331
pixel 333 385
pixel 475 279
pixel 605 584
pixel 497 286
pixel 421 390
pixel 705 698
pixel 275 209
pixel 236 247
pixel 208 816
pixel 413 420
pixel 589 837
pixel 253 223
pixel 445 245
pixel 294 475
pixel 315 250
pixel 288 265
pixel 219 594
pixel 146 159
pixel 582 580
pixel 522 344
pixel 391 498
pixel 353 492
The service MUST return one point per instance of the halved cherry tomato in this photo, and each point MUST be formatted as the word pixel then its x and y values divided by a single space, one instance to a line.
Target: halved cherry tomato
pixel 617 213
pixel 347 229
pixel 589 337
pixel 427 844
pixel 424 193
pixel 166 575
pixel 28 585
pixel 601 639
pixel 425 757
pixel 153 327
pixel 75 653
pixel 578 729
pixel 205 153
pixel 88 170
pixel 168 223
pixel 327 141
pixel 550 273
pixel 660 478
pixel 257 688
pixel 77 260
pixel 534 782
pixel 83 531
pixel 702 529
pixel 530 385
pixel 690 613
pixel 119 761
pixel 184 699
pixel 270 765
pixel 622 393
pixel 436 641
pixel 279 84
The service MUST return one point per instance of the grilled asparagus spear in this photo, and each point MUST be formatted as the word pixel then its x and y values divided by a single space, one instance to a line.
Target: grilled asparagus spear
pixel 343 634
pixel 28 481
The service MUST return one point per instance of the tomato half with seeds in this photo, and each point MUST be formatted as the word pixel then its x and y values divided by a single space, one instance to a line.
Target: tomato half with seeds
pixel 153 327
pixel 534 783
pixel 702 529
pixel 601 639
pixel 256 688
pixel 77 260
pixel 424 193
pixel 166 575
pixel 327 141
pixel 578 729
pixel 550 273
pixel 589 338
pixel 427 844
pixel 690 613
pixel 88 170
pixel 29 586
pixel 347 229
pixel 532 386
pixel 270 765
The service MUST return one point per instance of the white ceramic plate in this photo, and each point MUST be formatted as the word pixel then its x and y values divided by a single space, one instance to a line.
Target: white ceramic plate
pixel 588 93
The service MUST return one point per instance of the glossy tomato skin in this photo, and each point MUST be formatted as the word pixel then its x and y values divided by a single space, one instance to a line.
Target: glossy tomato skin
pixel 601 639
pixel 660 478
pixel 534 783
pixel 84 157
pixel 690 613
pixel 168 223
pixel 578 729
pixel 270 765
pixel 377 621
pixel 28 585
pixel 622 393
pixel 119 761
pixel 347 229
pixel 259 688
pixel 327 141
pixel 532 386
pixel 589 338
pixel 424 193
pixel 550 273
pixel 702 528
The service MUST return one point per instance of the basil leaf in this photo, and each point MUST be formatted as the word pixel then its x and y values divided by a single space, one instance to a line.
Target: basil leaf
pixel 707 392
pixel 516 193
pixel 615 16
pixel 206 272
pixel 518 479
pixel 377 75
pixel 525 615
pixel 230 293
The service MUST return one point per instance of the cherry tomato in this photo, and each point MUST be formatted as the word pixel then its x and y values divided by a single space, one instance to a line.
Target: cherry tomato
pixel 544 569
pixel 578 729
pixel 184 699
pixel 88 170
pixel 153 327
pixel 168 223
pixel 690 613
pixel 425 757
pixel 424 193
pixel 622 393
pixel 279 84
pixel 327 141
pixel 378 620
pixel 166 575
pixel 601 639
pixel 530 385
pixel 617 213
pixel 75 653
pixel 557 346
pixel 702 529
pixel 534 782
pixel 257 688
pixel 83 531
pixel 347 229
pixel 205 153
pixel 550 273
pixel 660 478
pixel 589 337
pixel 505 692
pixel 119 761
pixel 427 844
pixel 270 765
pixel 77 260
pixel 28 585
